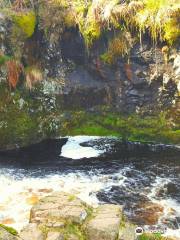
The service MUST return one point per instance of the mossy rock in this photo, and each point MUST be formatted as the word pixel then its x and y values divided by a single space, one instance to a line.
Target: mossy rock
pixel 23 120
pixel 25 22
pixel 131 127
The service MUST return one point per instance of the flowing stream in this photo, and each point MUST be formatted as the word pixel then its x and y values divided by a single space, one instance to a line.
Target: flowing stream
pixel 145 179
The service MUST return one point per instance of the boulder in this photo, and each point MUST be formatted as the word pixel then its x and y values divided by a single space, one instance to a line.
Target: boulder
pixel 32 232
pixel 149 213
pixel 73 237
pixel 61 216
pixel 127 232
pixel 54 236
pixel 58 206
pixel 105 223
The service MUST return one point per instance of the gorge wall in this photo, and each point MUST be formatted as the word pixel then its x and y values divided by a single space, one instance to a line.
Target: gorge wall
pixel 84 80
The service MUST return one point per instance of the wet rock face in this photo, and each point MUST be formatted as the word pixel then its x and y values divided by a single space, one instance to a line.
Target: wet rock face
pixel 149 213
pixel 78 78
pixel 146 81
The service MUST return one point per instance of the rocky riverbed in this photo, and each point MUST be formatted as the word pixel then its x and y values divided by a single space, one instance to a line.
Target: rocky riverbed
pixel 98 171
pixel 62 216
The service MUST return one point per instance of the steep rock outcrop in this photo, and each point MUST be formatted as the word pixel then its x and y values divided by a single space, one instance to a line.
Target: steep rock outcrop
pixel 82 79
pixel 75 78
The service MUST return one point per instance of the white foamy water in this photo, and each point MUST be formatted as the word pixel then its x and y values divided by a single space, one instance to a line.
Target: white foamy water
pixel 171 207
pixel 73 149
pixel 17 195
pixel 19 189
pixel 19 192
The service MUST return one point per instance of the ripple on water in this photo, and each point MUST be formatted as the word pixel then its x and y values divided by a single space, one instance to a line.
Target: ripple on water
pixel 96 175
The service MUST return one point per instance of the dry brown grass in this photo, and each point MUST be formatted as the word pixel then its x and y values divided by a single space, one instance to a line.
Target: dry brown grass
pixel 14 69
pixel 33 75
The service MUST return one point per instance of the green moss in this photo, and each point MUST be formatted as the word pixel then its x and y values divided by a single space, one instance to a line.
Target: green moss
pixel 152 237
pixel 119 46
pixel 91 32
pixel 123 222
pixel 88 24
pixel 172 30
pixel 23 121
pixel 71 198
pixel 17 127
pixel 160 19
pixel 9 229
pixel 70 229
pixel 4 58
pixel 93 129
pixel 106 58
pixel 26 22
pixel 16 124
pixel 89 211
pixel 132 127
pixel 73 229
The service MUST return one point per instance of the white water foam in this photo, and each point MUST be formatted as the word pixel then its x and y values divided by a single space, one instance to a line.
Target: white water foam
pixel 73 149
pixel 16 192
pixel 171 207
pixel 17 189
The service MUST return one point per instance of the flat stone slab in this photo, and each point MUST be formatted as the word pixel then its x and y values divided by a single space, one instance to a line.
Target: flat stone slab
pixel 127 232
pixel 55 236
pixel 58 207
pixel 62 216
pixel 32 232
pixel 105 223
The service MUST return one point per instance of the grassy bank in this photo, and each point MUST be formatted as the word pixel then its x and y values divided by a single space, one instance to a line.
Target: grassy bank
pixel 131 127
pixel 27 119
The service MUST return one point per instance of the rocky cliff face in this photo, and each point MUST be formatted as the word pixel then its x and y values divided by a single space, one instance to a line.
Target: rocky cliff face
pixel 81 78
pixel 146 81
pixel 75 78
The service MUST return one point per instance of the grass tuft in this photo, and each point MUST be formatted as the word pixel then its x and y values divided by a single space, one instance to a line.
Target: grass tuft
pixel 9 229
